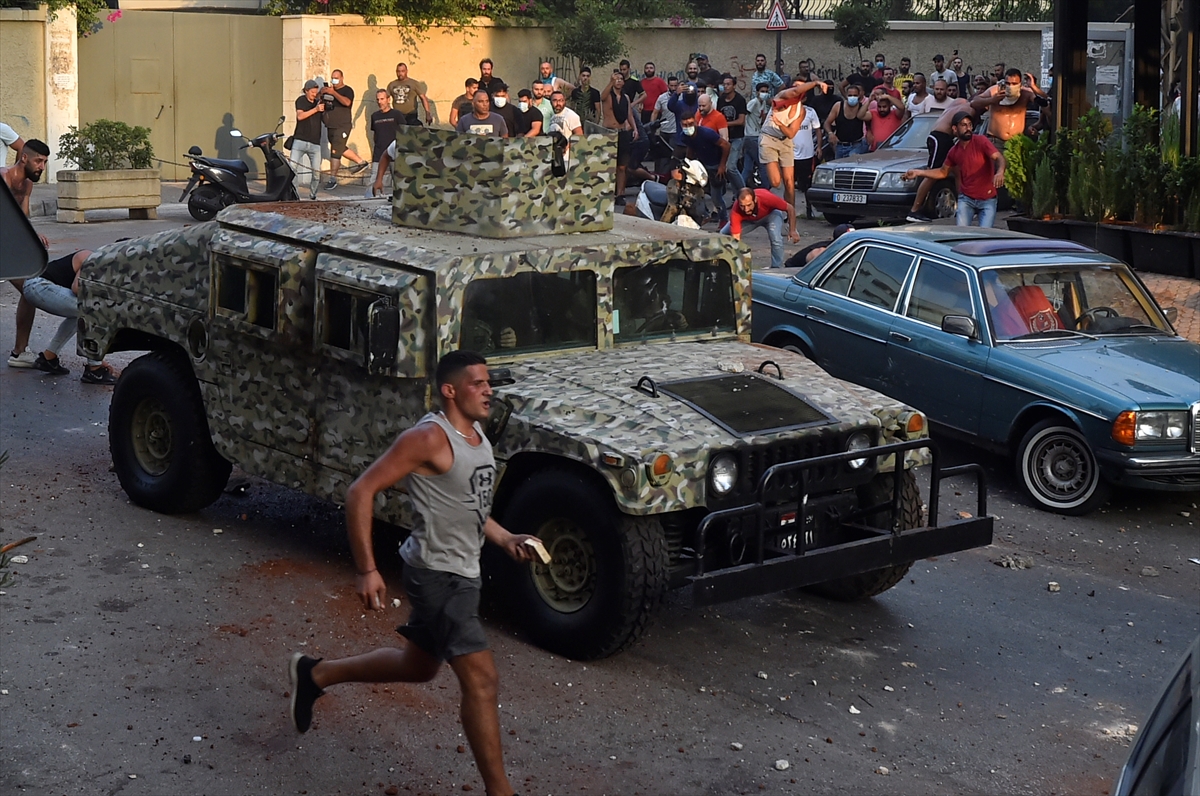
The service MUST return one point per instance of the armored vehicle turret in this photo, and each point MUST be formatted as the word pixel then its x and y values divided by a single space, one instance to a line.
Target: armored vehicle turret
pixel 637 431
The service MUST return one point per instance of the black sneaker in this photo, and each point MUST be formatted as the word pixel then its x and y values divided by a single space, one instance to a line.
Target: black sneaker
pixel 101 374
pixel 333 183
pixel 918 218
pixel 51 366
pixel 304 690
pixel 358 167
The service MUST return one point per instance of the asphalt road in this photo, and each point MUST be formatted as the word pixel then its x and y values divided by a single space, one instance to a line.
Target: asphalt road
pixel 128 635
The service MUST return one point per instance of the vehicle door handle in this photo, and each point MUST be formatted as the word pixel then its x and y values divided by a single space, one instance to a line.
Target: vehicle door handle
pixel 901 337
pixel 817 310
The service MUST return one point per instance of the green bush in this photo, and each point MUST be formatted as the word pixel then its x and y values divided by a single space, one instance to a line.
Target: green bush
pixel 1019 154
pixel 105 144
pixel 1045 197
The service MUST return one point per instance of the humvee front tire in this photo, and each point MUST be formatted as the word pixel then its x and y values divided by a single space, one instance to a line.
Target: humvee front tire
pixel 869 584
pixel 608 574
pixel 159 439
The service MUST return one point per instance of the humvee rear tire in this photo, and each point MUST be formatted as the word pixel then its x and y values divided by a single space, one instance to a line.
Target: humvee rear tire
pixel 869 584
pixel 159 438
pixel 608 574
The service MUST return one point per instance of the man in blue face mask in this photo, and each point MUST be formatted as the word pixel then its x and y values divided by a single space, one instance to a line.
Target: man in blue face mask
pixel 880 65
pixel 707 146
pixel 845 125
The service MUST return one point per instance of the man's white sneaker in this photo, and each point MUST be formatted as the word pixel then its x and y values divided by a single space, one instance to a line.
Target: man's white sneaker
pixel 25 359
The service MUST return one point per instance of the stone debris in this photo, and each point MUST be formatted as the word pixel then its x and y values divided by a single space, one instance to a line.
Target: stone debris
pixel 1014 562
pixel 1053 586
pixel 908 664
pixel 855 710
pixel 1185 514
pixel 395 602
pixel 1149 572
pixel 782 765
pixel 888 688
pixel 731 367
pixel 217 530
pixel 141 545
pixel 882 771
pixel 197 738
pixel 762 675
pixel 19 559
pixel 1131 730
pixel 737 747
pixel 964 515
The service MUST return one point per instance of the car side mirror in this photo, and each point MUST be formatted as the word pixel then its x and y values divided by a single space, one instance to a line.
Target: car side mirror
pixel 383 335
pixel 1170 313
pixel 960 325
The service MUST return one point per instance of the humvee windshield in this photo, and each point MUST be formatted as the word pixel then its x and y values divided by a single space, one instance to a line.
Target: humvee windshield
pixel 530 312
pixel 674 297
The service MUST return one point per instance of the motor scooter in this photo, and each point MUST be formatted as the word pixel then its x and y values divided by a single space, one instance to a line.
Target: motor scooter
pixel 216 184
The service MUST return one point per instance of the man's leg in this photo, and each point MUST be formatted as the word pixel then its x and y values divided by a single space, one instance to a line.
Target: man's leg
pixel 749 159
pixel 775 221
pixel 735 153
pixel 966 212
pixel 987 213
pixel 789 184
pixel 477 677
pixel 25 313
pixel 407 664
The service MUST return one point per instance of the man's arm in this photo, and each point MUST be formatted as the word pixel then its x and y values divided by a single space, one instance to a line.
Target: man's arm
pixel 828 127
pixel 985 98
pixel 724 145
pixel 933 174
pixel 301 115
pixel 337 94
pixel 511 543
pixel 425 102
pixel 535 129
pixel 415 449
pixel 999 164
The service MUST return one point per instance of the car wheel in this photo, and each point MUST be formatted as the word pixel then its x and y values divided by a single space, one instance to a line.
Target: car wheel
pixel 837 218
pixel 607 575
pixel 159 439
pixel 942 201
pixel 877 581
pixel 1058 470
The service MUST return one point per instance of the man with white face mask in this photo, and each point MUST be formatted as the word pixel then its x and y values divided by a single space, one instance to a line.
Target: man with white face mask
pixel 756 113
pixel 1007 103
pixel 502 108
pixel 529 118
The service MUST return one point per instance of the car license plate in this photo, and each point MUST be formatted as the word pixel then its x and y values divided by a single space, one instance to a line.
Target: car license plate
pixel 850 198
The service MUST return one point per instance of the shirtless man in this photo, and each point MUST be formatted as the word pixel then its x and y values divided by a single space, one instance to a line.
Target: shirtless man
pixel 20 177
pixel 447 464
pixel 940 139
pixel 1007 103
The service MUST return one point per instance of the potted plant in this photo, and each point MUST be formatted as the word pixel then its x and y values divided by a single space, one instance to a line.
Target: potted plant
pixel 114 171
pixel 1034 182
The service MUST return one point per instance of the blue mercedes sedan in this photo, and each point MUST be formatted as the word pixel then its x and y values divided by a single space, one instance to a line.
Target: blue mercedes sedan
pixel 1044 350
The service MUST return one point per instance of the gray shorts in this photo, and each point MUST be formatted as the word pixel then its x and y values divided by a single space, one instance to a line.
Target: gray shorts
pixel 445 613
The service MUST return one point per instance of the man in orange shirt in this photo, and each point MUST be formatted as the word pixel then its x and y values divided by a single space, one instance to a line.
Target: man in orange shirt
pixel 708 117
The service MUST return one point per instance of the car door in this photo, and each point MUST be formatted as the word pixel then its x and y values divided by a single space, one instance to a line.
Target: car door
pixel 852 311
pixel 938 372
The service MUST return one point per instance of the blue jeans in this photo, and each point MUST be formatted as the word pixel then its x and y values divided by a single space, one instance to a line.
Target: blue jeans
pixel 749 159
pixel 56 300
pixel 716 192
pixel 858 147
pixel 306 151
pixel 969 209
pixel 774 222
pixel 735 176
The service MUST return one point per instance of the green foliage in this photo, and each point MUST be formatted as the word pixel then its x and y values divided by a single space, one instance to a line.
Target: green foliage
pixel 1085 190
pixel 859 23
pixel 593 36
pixel 87 12
pixel 1187 191
pixel 1059 158
pixel 1018 154
pixel 1191 214
pixel 1144 171
pixel 1045 198
pixel 105 144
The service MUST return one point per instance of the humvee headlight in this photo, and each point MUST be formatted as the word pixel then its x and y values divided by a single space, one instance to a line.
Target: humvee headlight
pixel 722 474
pixel 858 442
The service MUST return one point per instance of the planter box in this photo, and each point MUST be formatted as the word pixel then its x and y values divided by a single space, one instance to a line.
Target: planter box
pixel 138 190
pixel 1168 253
pixel 1054 228
pixel 1110 239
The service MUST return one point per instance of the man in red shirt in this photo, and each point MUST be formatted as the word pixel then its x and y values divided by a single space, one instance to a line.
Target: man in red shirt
pixel 761 208
pixel 979 167
pixel 654 87
pixel 884 117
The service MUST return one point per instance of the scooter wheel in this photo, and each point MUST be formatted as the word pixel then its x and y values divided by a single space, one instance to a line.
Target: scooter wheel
pixel 205 202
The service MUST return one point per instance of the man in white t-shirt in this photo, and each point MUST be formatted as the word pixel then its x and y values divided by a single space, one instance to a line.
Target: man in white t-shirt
pixel 920 92
pixel 940 72
pixel 939 100
pixel 11 139
pixel 564 120
pixel 805 147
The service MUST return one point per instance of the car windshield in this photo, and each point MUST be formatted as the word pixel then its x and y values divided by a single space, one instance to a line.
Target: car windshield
pixel 529 312
pixel 912 134
pixel 1047 301
pixel 675 297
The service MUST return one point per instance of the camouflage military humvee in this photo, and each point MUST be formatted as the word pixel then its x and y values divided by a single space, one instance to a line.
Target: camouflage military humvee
pixel 637 430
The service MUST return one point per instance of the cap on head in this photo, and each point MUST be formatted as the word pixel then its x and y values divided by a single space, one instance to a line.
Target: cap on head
pixel 960 116
pixel 311 84
pixel 701 57
pixel 841 229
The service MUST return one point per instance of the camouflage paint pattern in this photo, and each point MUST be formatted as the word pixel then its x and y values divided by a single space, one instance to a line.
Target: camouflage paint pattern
pixel 281 405
pixel 501 187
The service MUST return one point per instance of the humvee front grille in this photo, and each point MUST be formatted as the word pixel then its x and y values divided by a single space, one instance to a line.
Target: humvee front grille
pixel 755 461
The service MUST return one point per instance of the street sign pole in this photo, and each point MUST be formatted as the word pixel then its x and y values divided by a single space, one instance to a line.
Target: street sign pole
pixel 777 21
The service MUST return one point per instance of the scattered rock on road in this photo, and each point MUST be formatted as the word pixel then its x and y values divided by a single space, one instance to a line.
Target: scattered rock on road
pixel 1014 562
pixel 737 747
pixel 1053 586
pixel 782 765
pixel 882 770
pixel 1149 572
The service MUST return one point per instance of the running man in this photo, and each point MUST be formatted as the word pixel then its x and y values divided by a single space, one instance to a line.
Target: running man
pixel 448 468
pixel 977 166
pixel 938 142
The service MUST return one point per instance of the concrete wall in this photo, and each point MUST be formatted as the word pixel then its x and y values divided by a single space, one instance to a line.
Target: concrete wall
pixel 22 91
pixel 189 77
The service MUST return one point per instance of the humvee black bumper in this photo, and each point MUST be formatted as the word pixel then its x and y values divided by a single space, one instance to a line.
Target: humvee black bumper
pixel 860 547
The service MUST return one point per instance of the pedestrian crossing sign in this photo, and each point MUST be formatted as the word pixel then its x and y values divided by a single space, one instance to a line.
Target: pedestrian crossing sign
pixel 777 20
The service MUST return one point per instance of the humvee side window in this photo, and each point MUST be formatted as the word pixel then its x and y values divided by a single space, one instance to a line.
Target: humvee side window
pixel 530 312
pixel 346 318
pixel 247 292
pixel 678 296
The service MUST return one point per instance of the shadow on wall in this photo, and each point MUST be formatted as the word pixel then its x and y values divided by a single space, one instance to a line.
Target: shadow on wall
pixel 229 148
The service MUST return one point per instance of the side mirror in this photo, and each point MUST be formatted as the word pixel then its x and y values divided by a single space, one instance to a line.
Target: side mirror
pixel 1170 313
pixel 282 119
pixel 960 325
pixel 235 133
pixel 383 335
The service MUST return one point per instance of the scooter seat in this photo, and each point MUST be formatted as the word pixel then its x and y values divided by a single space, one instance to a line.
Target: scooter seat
pixel 233 165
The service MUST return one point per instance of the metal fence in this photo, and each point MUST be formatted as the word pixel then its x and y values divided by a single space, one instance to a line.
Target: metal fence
pixel 932 10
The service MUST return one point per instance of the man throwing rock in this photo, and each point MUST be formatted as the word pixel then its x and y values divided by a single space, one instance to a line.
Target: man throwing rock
pixel 979 168
pixel 448 468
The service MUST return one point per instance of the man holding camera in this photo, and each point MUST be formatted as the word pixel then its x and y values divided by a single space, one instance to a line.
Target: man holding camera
pixel 338 99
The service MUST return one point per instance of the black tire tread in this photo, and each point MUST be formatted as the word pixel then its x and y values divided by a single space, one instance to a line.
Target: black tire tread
pixel 875 582
pixel 644 538
pixel 209 470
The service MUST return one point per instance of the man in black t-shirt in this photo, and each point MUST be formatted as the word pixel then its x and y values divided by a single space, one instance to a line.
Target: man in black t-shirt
pixel 488 81
pixel 585 100
pixel 864 78
pixel 503 108
pixel 823 104
pixel 339 99
pixel 306 139
pixel 382 128
pixel 732 106
pixel 633 87
pixel 529 117
pixel 707 74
